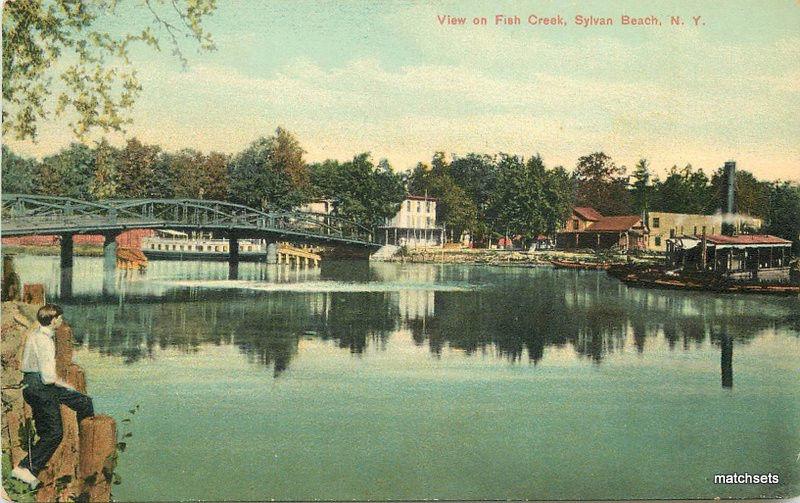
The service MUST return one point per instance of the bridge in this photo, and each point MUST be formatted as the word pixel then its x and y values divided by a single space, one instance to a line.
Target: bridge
pixel 28 215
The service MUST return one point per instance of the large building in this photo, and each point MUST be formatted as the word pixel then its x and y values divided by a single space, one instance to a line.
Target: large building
pixel 414 225
pixel 664 226
pixel 587 228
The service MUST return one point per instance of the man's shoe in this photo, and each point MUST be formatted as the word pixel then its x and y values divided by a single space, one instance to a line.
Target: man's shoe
pixel 26 476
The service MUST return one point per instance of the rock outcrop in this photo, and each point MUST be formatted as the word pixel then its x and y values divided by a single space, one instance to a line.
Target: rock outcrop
pixel 82 466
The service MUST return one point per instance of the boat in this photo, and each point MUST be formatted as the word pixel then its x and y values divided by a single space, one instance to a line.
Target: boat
pixel 167 244
pixel 649 277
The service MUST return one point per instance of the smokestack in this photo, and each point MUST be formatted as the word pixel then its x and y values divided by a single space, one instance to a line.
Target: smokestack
pixel 730 176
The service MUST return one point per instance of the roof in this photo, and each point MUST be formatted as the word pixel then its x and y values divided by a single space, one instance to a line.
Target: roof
pixel 615 224
pixel 420 198
pixel 588 213
pixel 747 239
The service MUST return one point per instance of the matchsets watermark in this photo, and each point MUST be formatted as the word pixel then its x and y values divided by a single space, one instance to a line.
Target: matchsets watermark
pixel 746 478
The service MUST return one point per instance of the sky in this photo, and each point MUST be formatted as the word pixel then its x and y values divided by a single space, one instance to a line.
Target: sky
pixel 387 77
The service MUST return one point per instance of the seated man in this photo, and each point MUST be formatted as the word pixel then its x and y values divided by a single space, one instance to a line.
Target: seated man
pixel 44 392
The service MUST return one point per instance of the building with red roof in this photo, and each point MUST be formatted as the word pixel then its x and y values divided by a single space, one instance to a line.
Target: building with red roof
pixel 587 228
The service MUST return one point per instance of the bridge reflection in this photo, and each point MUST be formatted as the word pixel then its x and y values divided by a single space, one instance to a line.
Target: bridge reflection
pixel 518 319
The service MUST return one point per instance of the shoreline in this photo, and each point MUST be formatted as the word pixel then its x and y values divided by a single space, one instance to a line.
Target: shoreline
pixel 53 250
pixel 518 258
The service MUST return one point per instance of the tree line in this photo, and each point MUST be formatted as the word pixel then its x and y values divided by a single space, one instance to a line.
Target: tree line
pixel 486 195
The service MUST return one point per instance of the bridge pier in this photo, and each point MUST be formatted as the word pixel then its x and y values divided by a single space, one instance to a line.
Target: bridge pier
pixel 272 253
pixel 233 257
pixel 109 252
pixel 66 261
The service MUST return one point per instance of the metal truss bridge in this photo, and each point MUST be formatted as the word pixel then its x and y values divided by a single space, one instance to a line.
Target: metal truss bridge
pixel 25 215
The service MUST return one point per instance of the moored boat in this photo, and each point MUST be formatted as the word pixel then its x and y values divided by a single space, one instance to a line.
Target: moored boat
pixel 174 245
pixel 661 278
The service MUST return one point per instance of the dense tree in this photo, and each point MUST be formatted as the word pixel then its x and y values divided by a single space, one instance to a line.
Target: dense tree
pixel 783 218
pixel 477 174
pixel 364 192
pixel 454 208
pixel 642 188
pixel 45 38
pixel 104 183
pixel 752 195
pixel 270 173
pixel 215 176
pixel 67 173
pixel 684 191
pixel 529 200
pixel 20 175
pixel 601 184
pixel 138 170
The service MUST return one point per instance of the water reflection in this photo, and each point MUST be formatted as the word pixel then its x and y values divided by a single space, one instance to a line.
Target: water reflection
pixel 516 314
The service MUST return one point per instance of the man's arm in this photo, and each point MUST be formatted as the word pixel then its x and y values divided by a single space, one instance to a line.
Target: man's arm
pixel 46 356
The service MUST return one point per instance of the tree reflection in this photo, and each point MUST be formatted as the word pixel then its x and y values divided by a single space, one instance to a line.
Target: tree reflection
pixel 516 314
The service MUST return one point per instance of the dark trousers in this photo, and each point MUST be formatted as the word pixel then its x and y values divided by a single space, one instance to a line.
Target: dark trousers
pixel 44 400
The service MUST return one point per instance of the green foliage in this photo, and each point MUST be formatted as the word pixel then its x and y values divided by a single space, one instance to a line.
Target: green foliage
pixel 19 174
pixel 752 195
pixel 477 175
pixel 143 171
pixel 454 208
pixel 601 184
pixel 43 39
pixel 105 181
pixel 363 191
pixel 641 191
pixel 684 191
pixel 67 173
pixel 529 200
pixel 19 491
pixel 783 218
pixel 270 173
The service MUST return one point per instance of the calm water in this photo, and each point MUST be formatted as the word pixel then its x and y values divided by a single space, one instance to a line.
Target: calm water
pixel 390 381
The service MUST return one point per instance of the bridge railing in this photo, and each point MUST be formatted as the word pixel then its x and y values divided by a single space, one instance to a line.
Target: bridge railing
pixel 58 214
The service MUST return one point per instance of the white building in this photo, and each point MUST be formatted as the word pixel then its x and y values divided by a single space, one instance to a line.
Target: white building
pixel 414 225
pixel 324 206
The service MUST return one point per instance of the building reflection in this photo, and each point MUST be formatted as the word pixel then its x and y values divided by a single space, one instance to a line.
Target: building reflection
pixel 516 317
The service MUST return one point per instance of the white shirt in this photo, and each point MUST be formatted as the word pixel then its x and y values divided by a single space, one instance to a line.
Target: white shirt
pixel 40 354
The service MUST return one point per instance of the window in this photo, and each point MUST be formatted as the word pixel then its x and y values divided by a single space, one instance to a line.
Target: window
pixel 429 221
pixel 199 247
pixel 159 247
pixel 704 229
pixel 408 206
pixel 695 230
pixel 658 240
pixel 152 246
pixel 656 222
pixel 419 206
pixel 575 225
pixel 427 206
pixel 671 233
